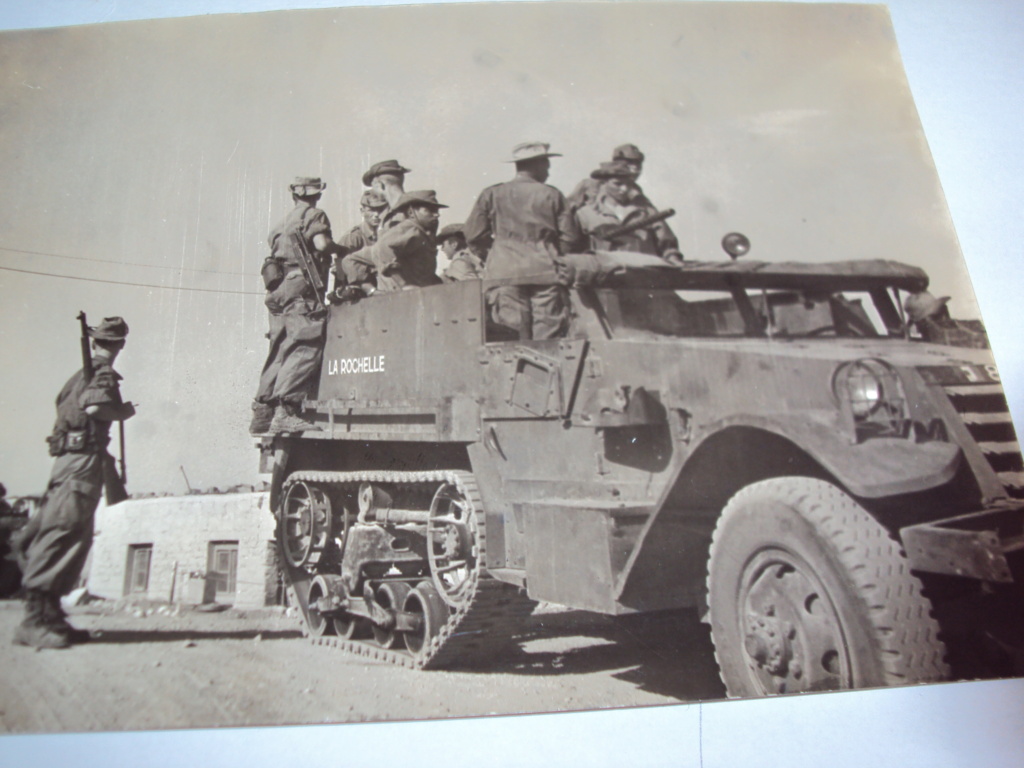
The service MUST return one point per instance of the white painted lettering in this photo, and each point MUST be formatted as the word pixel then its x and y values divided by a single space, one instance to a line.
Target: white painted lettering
pixel 347 365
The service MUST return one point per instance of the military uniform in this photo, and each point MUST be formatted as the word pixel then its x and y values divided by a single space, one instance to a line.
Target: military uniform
pixel 523 225
pixel 53 546
pixel 405 257
pixel 603 215
pixel 360 236
pixel 296 321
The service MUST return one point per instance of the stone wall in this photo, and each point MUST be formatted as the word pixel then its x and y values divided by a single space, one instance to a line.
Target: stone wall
pixel 180 530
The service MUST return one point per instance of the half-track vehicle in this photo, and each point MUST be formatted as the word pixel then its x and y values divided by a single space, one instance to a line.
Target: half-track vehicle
pixel 764 442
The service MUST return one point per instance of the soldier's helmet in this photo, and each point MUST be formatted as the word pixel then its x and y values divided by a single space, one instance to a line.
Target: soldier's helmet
pixel 111 329
pixel 307 186
pixel 922 304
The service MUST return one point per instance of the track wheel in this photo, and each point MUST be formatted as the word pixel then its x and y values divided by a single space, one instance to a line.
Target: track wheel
pixel 318 624
pixel 349 627
pixel 453 547
pixel 807 592
pixel 304 525
pixel 390 594
pixel 426 603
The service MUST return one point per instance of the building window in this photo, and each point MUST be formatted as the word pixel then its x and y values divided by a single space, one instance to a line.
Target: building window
pixel 136 578
pixel 221 571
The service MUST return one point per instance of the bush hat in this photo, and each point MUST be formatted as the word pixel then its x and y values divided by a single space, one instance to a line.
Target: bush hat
pixel 111 329
pixel 384 166
pixel 922 304
pixel 529 150
pixel 630 152
pixel 616 169
pixel 450 230
pixel 372 199
pixel 304 186
pixel 418 197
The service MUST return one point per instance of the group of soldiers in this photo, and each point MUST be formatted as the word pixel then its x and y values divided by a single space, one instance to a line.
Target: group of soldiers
pixel 514 238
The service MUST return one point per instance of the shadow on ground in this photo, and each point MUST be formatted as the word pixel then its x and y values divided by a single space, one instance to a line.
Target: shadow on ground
pixel 122 636
pixel 669 654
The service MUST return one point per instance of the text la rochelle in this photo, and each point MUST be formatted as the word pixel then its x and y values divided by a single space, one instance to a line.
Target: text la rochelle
pixel 371 364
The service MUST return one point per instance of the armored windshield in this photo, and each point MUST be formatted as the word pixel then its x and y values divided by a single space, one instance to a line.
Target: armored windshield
pixel 643 313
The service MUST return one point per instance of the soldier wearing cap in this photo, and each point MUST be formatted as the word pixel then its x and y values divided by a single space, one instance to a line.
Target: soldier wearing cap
pixel 372 206
pixel 52 548
pixel 463 264
pixel 296 320
pixel 405 256
pixel 617 205
pixel 586 191
pixel 933 321
pixel 524 226
pixel 387 178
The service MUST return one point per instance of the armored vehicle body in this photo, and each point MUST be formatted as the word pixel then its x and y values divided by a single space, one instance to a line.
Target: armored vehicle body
pixel 763 442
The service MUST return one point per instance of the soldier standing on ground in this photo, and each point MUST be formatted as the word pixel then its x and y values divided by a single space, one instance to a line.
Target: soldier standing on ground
pixel 617 205
pixel 523 226
pixel 52 548
pixel 463 264
pixel 296 317
pixel 406 255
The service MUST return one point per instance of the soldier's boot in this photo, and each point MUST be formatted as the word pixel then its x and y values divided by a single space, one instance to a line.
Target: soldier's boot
pixel 287 419
pixel 262 417
pixel 57 621
pixel 33 630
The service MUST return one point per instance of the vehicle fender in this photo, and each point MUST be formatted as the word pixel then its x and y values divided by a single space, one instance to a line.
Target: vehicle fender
pixel 873 468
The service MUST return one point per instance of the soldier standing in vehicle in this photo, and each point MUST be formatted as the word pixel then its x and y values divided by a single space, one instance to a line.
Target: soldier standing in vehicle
pixel 52 548
pixel 616 206
pixel 387 178
pixel 372 206
pixel 296 315
pixel 524 226
pixel 406 255
pixel 586 190
pixel 463 264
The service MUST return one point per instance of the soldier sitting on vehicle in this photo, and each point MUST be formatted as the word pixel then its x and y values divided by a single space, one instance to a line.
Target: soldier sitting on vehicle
pixel 616 208
pixel 463 263
pixel 405 256
pixel 931 317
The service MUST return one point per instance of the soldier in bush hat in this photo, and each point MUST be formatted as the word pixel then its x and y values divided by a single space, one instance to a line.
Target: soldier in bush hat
pixel 52 547
pixel 931 317
pixel 388 179
pixel 616 205
pixel 296 322
pixel 521 228
pixel 405 256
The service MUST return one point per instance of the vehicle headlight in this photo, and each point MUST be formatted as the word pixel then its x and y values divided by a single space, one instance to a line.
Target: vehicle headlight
pixel 870 394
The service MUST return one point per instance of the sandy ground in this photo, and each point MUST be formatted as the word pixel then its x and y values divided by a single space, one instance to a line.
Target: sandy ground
pixel 237 668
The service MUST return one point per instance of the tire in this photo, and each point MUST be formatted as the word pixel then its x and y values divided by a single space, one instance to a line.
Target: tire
pixel 807 592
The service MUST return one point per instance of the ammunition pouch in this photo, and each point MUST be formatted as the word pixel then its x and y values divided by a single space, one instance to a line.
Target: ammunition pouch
pixel 272 272
pixel 71 441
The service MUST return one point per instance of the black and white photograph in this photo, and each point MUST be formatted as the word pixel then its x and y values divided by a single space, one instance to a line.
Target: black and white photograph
pixel 388 364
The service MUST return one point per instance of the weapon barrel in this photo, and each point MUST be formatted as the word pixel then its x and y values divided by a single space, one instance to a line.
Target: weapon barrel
pixel 86 353
pixel 628 229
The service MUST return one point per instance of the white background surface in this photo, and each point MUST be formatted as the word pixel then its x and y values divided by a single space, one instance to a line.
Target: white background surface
pixel 964 63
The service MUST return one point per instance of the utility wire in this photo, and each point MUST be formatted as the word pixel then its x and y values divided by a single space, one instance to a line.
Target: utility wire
pixel 118 263
pixel 137 285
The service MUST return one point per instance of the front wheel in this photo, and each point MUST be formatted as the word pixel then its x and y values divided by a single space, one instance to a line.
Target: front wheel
pixel 807 592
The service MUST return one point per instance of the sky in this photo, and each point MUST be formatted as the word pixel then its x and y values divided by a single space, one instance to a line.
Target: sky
pixel 146 161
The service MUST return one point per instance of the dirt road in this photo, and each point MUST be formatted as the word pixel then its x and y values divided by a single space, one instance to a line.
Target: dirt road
pixel 197 670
